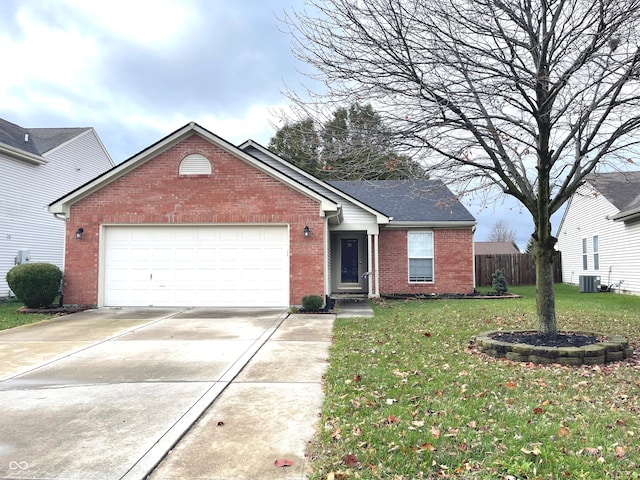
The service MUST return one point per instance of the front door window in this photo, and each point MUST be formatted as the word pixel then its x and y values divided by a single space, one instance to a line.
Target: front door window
pixel 349 260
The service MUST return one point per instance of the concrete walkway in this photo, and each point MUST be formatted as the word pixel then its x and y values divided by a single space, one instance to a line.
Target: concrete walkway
pixel 269 412
pixel 350 308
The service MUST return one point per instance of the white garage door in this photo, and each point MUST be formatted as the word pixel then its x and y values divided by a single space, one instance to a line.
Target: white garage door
pixel 203 266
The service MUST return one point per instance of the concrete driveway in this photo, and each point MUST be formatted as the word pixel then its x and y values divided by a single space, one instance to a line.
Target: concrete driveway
pixel 105 394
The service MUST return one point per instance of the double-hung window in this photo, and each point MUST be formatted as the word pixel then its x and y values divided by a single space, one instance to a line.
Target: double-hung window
pixel 420 253
pixel 585 258
pixel 596 252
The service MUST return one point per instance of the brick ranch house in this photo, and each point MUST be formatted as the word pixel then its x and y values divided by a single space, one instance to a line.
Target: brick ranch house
pixel 193 220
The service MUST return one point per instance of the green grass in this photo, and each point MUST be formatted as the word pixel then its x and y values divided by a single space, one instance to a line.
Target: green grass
pixel 407 395
pixel 9 317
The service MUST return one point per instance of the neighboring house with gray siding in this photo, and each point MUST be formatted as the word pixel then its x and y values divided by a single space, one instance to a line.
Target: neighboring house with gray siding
pixel 38 165
pixel 600 231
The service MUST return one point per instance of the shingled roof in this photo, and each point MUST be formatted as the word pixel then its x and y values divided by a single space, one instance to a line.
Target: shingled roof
pixel 495 248
pixel 35 141
pixel 622 189
pixel 408 200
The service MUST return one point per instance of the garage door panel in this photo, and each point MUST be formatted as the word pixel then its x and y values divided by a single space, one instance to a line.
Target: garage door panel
pixel 196 266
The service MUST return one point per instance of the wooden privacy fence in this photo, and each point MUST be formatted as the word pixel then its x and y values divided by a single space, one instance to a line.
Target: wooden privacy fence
pixel 518 269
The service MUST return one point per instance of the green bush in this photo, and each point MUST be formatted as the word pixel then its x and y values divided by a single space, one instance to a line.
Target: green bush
pixel 498 282
pixel 312 303
pixel 35 284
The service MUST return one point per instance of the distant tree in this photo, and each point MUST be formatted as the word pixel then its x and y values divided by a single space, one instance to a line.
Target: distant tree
pixel 352 145
pixel 501 232
pixel 529 248
pixel 298 143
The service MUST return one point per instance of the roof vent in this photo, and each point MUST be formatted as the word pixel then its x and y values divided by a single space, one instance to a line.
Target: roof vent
pixel 195 164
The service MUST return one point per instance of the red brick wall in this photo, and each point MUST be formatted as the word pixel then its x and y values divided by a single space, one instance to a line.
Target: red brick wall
pixel 453 262
pixel 235 192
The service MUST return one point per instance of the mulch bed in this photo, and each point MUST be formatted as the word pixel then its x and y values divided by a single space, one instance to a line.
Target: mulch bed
pixel 447 296
pixel 559 340
pixel 54 310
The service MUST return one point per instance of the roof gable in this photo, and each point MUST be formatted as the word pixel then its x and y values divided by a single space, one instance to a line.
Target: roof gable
pixel 32 144
pixel 320 186
pixel 621 189
pixel 409 201
pixel 63 204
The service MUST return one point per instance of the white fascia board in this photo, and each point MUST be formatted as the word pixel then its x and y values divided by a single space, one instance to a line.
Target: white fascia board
pixel 443 224
pixel 18 154
pixel 370 228
pixel 380 217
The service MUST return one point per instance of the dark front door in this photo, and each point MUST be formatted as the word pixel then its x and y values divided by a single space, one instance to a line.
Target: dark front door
pixel 349 260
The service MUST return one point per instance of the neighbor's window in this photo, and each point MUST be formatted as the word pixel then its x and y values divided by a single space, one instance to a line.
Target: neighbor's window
pixel 420 249
pixel 596 253
pixel 585 260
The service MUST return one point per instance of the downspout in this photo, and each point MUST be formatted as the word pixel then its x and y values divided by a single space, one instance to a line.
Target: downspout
pixel 473 256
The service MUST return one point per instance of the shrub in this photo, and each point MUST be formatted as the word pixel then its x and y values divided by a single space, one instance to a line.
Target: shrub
pixel 498 282
pixel 312 303
pixel 35 284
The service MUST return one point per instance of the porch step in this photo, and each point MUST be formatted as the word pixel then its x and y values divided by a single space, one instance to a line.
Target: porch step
pixel 348 296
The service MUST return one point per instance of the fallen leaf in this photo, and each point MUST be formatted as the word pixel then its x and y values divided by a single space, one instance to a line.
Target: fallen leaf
pixel 592 451
pixel 510 385
pixel 351 460
pixel 538 410
pixel 620 451
pixel 418 423
pixel 535 451
pixel 391 401
pixel 392 419
pixel 428 447
pixel 564 432
pixel 427 334
pixel 282 462
pixel 472 424
pixel 357 378
pixel 435 431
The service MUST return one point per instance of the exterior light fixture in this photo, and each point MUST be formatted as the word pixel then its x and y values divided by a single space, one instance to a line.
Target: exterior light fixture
pixel 306 231
pixel 79 233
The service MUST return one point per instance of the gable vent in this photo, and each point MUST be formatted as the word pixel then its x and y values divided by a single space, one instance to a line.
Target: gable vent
pixel 195 164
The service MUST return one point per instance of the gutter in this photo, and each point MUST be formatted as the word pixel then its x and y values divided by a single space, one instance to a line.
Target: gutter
pixel 437 224
pixel 18 154
pixel 625 216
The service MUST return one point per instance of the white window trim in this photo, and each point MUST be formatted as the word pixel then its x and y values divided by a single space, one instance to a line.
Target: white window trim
pixel 432 257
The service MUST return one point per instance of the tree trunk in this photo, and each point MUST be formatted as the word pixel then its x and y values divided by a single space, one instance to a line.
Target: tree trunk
pixel 545 293
pixel 544 251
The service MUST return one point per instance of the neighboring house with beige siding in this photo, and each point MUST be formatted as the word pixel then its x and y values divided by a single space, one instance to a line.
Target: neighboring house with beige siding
pixel 38 165
pixel 600 231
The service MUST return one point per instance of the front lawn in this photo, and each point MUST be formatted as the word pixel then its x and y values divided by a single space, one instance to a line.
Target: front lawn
pixel 407 395
pixel 9 317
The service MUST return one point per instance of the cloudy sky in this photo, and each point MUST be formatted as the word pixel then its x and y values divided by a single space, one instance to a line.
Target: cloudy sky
pixel 136 70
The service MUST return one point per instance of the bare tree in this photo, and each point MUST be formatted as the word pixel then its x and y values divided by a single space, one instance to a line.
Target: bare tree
pixel 501 232
pixel 523 97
